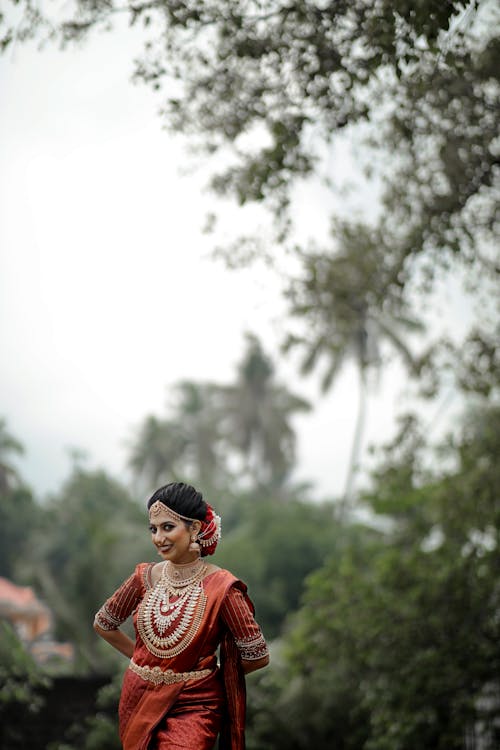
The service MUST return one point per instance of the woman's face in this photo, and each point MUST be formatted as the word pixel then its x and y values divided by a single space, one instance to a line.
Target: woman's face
pixel 172 538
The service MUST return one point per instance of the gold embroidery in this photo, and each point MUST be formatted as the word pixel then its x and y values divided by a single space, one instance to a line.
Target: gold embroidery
pixel 168 677
pixel 252 647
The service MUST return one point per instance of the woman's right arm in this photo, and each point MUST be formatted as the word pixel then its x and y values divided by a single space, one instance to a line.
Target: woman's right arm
pixel 117 639
pixel 117 609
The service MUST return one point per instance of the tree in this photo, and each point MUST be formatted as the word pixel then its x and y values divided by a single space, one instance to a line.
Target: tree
pixel 256 413
pixel 186 444
pixel 18 514
pixel 157 450
pixel 396 644
pixel 17 507
pixel 274 547
pixel 22 684
pixel 278 81
pixel 210 426
pixel 198 416
pixel 278 84
pixel 88 540
pixel 347 308
pixel 9 476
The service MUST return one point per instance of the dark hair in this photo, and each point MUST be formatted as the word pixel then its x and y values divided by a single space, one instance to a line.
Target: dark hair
pixel 181 498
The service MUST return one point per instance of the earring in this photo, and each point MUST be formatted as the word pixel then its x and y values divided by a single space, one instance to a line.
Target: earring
pixel 194 546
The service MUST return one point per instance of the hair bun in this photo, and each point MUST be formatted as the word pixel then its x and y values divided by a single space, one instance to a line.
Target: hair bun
pixel 210 532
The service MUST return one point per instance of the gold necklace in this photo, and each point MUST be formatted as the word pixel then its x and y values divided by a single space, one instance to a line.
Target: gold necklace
pixel 167 627
pixel 180 576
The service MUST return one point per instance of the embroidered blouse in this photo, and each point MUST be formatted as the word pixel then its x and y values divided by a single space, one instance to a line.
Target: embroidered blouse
pixel 235 614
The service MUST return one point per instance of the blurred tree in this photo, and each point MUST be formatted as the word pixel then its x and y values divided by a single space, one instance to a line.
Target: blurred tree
pixel 397 642
pixel 198 416
pixel 345 305
pixel 279 81
pixel 157 450
pixel 90 539
pixel 19 515
pixel 99 731
pixel 211 426
pixel 186 444
pixel 472 366
pixel 9 446
pixel 102 730
pixel 21 688
pixel 274 547
pixel 256 413
pixel 279 84
pixel 18 510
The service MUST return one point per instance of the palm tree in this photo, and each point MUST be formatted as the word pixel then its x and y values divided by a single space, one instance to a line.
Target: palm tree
pixel 196 410
pixel 157 451
pixel 256 413
pixel 9 476
pixel 210 425
pixel 186 444
pixel 349 308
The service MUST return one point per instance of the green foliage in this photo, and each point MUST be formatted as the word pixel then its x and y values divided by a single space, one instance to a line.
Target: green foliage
pixel 279 85
pixel 99 731
pixel 21 684
pixel 274 547
pixel 291 712
pixel 348 304
pixel 9 476
pixel 397 641
pixel 473 366
pixel 18 514
pixel 17 506
pixel 425 76
pixel 102 729
pixel 91 537
pixel 395 644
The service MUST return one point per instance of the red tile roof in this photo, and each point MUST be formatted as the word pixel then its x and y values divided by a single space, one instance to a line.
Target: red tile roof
pixel 22 597
pixel 17 595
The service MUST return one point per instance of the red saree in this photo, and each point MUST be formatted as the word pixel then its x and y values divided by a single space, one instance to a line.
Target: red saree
pixel 191 713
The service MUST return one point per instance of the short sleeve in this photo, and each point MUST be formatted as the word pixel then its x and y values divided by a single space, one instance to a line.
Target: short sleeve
pixel 122 603
pixel 237 615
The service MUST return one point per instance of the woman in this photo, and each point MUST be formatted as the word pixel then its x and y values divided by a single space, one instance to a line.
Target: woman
pixel 174 695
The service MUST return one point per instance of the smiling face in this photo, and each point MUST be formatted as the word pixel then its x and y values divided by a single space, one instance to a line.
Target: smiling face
pixel 172 538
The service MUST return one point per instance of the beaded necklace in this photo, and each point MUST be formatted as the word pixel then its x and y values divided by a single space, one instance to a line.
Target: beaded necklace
pixel 166 626
pixel 176 577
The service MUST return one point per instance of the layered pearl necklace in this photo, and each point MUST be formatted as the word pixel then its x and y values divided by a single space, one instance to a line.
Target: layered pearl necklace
pixel 168 627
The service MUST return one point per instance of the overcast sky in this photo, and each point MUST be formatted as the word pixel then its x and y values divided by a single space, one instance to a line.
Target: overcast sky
pixel 107 292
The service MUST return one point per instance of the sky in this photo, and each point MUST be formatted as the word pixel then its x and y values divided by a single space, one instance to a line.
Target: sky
pixel 108 294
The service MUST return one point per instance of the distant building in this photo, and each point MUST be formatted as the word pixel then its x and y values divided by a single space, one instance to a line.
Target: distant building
pixel 32 620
